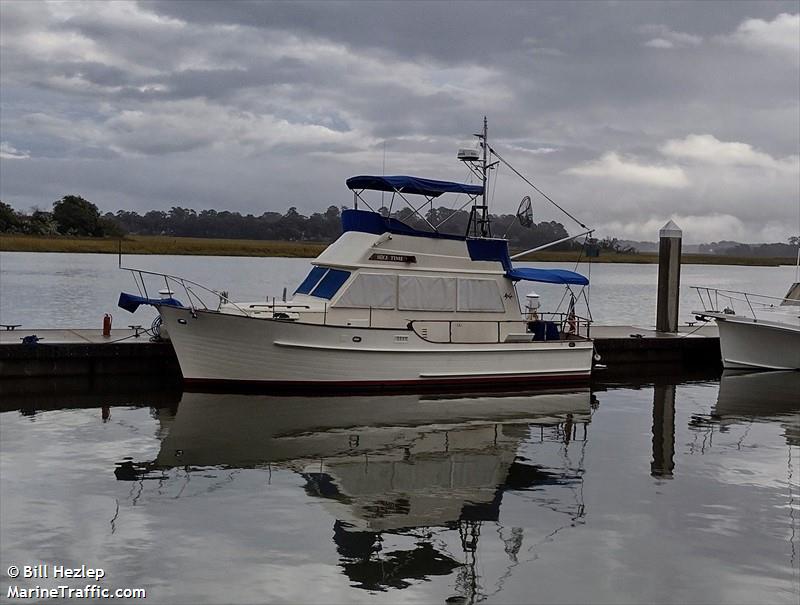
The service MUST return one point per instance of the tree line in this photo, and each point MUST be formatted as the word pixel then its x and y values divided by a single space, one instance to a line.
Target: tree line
pixel 71 215
pixel 775 250
pixel 75 216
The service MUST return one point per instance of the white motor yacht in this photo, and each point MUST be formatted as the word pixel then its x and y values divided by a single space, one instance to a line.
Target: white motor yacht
pixel 755 331
pixel 387 305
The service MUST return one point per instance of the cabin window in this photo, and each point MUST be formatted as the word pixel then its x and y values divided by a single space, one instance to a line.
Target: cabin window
pixel 330 283
pixel 370 290
pixel 426 293
pixel 479 295
pixel 311 280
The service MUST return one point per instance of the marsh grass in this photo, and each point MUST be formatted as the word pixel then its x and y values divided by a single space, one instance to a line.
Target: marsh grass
pixel 161 244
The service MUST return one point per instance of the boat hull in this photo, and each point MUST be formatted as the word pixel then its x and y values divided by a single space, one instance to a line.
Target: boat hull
pixel 218 349
pixel 748 344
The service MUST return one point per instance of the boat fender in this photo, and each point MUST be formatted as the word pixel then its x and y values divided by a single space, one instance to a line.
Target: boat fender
pixel 597 357
pixel 107 325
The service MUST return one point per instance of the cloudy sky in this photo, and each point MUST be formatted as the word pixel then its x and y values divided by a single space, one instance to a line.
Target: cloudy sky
pixel 626 113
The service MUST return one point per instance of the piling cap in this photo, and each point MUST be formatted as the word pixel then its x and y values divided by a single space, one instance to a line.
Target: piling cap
pixel 670 230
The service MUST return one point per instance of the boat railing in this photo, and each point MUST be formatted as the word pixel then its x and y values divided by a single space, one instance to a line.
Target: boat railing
pixel 724 301
pixel 193 299
pixel 542 327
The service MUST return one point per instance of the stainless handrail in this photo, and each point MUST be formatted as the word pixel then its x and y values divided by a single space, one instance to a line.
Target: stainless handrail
pixel 717 290
pixel 727 295
pixel 182 281
pixel 579 323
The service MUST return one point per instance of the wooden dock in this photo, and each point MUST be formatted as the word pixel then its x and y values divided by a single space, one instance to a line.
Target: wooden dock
pixel 622 346
pixel 60 353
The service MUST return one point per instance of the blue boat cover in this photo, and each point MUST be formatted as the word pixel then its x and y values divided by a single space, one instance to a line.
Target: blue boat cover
pixel 372 222
pixel 131 302
pixel 547 276
pixel 411 184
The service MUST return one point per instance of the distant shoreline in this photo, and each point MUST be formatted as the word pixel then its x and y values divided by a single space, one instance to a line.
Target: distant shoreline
pixel 167 245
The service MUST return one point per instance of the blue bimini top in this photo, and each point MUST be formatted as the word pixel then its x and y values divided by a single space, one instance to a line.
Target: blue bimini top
pixel 547 276
pixel 413 185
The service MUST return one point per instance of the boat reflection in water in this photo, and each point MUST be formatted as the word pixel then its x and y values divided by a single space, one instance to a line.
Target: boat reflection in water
pixel 759 396
pixel 429 470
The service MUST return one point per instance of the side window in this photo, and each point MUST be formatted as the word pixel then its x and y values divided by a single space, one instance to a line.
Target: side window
pixel 426 293
pixel 479 295
pixel 370 290
pixel 330 284
pixel 311 280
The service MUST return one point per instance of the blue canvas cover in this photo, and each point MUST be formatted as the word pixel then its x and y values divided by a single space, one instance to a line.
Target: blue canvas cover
pixel 131 302
pixel 413 185
pixel 547 276
pixel 489 249
pixel 372 222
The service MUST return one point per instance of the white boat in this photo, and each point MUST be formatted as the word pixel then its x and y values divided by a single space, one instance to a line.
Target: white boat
pixel 388 305
pixel 755 331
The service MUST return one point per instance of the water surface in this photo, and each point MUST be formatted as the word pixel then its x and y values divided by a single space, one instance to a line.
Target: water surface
pixel 664 491
pixel 53 290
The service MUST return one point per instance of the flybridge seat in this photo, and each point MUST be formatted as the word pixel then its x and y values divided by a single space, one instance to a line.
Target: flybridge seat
pixel 480 249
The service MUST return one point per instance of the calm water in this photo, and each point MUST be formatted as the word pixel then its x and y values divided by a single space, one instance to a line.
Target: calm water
pixel 42 290
pixel 659 492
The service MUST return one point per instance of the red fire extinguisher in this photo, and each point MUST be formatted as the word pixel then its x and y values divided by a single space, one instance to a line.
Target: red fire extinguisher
pixel 107 325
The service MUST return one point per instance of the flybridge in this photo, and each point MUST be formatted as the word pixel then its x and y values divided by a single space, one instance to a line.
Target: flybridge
pixel 478 249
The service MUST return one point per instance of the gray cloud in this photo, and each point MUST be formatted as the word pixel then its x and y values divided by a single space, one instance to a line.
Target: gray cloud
pixel 249 105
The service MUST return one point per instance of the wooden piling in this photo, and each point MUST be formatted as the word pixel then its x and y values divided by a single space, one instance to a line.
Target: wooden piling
pixel 669 277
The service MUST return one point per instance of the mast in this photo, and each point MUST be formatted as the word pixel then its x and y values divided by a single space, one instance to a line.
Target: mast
pixel 479 165
pixel 485 173
pixel 482 212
